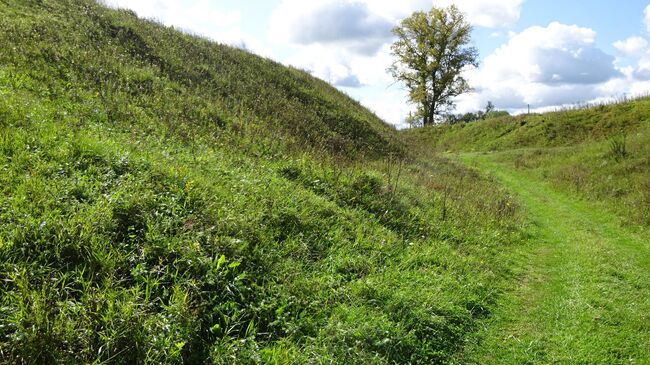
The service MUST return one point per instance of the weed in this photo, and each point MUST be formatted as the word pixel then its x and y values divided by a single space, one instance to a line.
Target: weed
pixel 618 148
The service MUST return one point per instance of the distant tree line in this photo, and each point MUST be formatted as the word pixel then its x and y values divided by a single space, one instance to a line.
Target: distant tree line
pixel 489 112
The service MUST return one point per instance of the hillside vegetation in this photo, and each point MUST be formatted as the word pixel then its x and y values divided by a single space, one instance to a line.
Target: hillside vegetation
pixel 155 75
pixel 600 153
pixel 165 199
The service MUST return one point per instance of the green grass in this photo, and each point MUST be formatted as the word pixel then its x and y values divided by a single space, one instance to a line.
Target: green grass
pixel 141 71
pixel 591 172
pixel 601 154
pixel 164 199
pixel 584 293
pixel 557 129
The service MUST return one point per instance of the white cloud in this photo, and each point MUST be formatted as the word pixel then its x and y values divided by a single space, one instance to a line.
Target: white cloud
pixel 202 17
pixel 482 13
pixel 488 13
pixel 386 107
pixel 201 14
pixel 542 66
pixel 635 56
pixel 322 63
pixel 635 49
pixel 388 103
pixel 632 46
pixel 364 25
pixel 349 24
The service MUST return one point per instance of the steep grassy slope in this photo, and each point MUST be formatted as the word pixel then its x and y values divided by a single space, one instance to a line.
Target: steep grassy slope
pixel 600 153
pixel 165 199
pixel 151 74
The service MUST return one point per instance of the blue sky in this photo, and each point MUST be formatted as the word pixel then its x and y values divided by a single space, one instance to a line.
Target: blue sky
pixel 543 53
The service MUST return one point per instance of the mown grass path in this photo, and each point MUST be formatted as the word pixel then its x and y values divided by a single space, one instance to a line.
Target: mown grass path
pixel 584 293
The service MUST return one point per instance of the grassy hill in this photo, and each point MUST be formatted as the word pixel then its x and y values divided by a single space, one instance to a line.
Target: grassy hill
pixel 151 74
pixel 600 153
pixel 165 199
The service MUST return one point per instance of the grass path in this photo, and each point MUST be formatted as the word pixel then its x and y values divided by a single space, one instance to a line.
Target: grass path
pixel 584 296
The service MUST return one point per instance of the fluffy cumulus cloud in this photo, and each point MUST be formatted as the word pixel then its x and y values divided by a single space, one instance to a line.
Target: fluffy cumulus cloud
pixel 640 72
pixel 202 17
pixel 634 58
pixel 348 24
pixel 390 105
pixel 488 13
pixel 632 46
pixel 542 66
pixel 348 81
pixel 364 25
pixel 635 51
pixel 481 13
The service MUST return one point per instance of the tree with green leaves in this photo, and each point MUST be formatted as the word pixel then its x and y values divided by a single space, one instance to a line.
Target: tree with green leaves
pixel 432 49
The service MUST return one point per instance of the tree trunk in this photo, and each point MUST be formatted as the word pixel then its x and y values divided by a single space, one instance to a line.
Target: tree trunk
pixel 426 120
pixel 431 114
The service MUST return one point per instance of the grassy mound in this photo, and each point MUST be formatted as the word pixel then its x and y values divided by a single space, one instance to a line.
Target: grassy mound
pixel 166 199
pixel 148 74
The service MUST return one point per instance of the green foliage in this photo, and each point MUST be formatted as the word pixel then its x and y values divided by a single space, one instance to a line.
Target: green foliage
pixel 431 52
pixel 165 199
pixel 497 114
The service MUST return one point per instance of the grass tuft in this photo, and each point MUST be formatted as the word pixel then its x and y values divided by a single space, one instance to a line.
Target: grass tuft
pixel 618 148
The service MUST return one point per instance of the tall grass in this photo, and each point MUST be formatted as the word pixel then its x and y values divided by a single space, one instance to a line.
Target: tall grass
pixel 556 129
